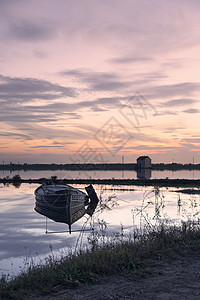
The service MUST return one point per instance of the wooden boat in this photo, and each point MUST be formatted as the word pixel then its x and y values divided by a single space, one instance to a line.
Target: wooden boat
pixel 63 203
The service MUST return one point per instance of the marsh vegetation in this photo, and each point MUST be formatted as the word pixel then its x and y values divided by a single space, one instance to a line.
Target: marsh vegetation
pixel 105 255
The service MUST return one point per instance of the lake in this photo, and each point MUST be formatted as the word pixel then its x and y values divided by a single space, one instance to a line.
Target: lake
pixel 23 234
pixel 126 174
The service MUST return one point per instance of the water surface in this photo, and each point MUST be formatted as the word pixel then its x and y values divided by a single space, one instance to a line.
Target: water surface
pixel 61 174
pixel 23 231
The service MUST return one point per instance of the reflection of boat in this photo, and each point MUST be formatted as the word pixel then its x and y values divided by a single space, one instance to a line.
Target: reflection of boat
pixel 63 203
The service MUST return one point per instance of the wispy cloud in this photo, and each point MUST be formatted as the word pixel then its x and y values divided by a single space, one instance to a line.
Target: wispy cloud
pixel 172 90
pixel 15 89
pixel 15 135
pixel 173 129
pixel 98 81
pixel 192 140
pixel 192 111
pixel 166 113
pixel 47 146
pixel 30 31
pixel 106 80
pixel 179 102
pixel 130 59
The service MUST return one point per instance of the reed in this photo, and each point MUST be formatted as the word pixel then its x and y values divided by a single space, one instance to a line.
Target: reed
pixel 104 256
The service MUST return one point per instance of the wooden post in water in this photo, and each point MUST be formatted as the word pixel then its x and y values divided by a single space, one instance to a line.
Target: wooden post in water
pixel 93 199
pixel 69 214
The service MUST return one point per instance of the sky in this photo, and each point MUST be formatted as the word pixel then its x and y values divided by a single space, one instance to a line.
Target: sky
pixel 99 81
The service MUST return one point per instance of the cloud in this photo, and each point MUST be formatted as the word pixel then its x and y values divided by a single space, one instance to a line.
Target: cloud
pixel 192 111
pixel 110 85
pixel 165 113
pixel 138 25
pixel 30 85
pixel 179 102
pixel 48 146
pixel 15 135
pixel 90 76
pixel 55 111
pixel 110 81
pixel 157 147
pixel 171 64
pixel 171 90
pixel 173 129
pixel 74 133
pixel 192 140
pixel 16 94
pixel 29 89
pixel 25 30
pixel 15 117
pixel 130 59
pixel 98 81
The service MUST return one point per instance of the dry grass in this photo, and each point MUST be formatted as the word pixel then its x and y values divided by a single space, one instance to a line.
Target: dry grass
pixel 106 256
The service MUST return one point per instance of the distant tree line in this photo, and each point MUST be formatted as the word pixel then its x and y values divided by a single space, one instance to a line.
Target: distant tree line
pixel 90 166
pixel 74 167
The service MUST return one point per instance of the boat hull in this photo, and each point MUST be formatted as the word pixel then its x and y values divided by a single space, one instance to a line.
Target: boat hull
pixel 60 203
pixel 59 215
pixel 63 203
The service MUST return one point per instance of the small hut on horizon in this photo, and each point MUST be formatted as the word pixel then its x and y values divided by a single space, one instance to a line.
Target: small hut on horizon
pixel 143 162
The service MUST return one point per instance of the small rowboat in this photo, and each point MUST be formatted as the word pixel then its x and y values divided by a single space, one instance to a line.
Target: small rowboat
pixel 63 203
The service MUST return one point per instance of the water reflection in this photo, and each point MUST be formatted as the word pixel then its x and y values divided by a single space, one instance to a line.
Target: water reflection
pixel 186 174
pixel 144 173
pixel 189 207
pixel 64 203
pixel 163 206
pixel 22 230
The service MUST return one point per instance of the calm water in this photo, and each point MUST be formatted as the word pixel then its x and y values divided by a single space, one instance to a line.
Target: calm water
pixel 23 231
pixel 194 174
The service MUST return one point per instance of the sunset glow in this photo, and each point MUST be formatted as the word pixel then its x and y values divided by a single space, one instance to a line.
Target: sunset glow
pixel 92 81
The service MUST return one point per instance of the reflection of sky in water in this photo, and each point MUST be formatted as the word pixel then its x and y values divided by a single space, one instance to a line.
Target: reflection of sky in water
pixel 22 230
pixel 193 174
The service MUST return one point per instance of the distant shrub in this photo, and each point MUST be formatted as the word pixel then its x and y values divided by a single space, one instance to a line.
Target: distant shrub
pixel 16 177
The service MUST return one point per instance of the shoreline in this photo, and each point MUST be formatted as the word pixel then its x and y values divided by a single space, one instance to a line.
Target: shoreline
pixel 131 182
pixel 170 255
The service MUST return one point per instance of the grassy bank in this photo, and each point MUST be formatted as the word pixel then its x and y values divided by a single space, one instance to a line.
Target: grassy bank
pixel 17 181
pixel 116 255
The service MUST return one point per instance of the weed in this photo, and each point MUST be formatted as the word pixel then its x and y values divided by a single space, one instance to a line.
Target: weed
pixel 118 254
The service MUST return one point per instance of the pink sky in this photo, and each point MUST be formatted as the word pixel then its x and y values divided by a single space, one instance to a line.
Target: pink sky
pixel 92 81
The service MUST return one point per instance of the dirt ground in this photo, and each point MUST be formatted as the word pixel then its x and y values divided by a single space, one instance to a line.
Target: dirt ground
pixel 174 279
